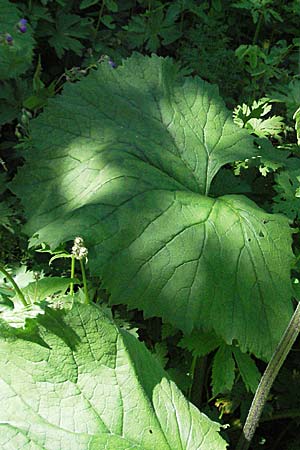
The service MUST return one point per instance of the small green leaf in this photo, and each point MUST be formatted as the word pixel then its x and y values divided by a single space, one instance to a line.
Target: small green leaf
pixel 12 94
pixel 39 100
pixel 287 183
pixel 87 3
pixel 18 316
pixel 69 28
pixel 61 255
pixel 253 59
pixel 111 5
pixel 200 344
pixel 107 20
pixel 223 370
pixel 23 276
pixel 160 353
pixel 289 94
pixel 248 370
pixel 41 289
pixel 6 213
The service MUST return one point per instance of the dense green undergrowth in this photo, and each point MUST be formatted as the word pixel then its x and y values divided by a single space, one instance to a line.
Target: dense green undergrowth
pixel 150 186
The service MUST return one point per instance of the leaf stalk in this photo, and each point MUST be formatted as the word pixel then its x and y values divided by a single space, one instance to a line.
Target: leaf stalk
pixel 86 294
pixel 267 380
pixel 16 287
pixel 99 18
pixel 72 274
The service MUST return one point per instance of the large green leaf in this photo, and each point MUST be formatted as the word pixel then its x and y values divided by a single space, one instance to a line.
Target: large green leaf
pixel 102 389
pixel 15 58
pixel 125 158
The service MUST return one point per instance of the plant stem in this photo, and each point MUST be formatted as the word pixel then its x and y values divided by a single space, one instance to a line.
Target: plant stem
pixel 72 274
pixel 86 294
pixel 198 371
pixel 16 287
pixel 267 380
pixel 99 19
pixel 257 29
pixel 193 366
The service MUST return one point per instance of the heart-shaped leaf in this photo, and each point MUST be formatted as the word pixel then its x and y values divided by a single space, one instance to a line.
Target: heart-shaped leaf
pixel 125 158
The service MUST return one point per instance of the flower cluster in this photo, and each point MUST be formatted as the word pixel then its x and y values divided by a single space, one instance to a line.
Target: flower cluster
pixel 21 27
pixel 8 39
pixel 79 250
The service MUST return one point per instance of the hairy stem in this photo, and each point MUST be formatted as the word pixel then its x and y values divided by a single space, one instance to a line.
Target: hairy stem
pixel 267 380
pixel 16 287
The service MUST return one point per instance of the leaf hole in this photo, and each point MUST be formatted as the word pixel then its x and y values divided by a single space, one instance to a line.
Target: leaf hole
pixel 150 431
pixel 249 239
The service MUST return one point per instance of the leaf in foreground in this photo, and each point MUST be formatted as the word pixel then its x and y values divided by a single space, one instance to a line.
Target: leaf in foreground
pixel 125 158
pixel 102 390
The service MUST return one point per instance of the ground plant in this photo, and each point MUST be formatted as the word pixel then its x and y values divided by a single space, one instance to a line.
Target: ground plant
pixel 149 224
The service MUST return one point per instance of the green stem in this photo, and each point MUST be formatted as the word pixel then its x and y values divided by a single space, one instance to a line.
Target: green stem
pixel 72 274
pixel 99 18
pixel 267 380
pixel 198 372
pixel 257 29
pixel 86 294
pixel 16 287
pixel 193 366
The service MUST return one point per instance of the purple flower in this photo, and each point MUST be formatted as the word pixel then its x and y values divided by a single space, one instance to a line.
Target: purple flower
pixel 9 39
pixel 112 63
pixel 22 25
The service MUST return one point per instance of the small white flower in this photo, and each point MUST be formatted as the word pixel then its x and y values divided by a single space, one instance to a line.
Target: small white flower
pixel 79 250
